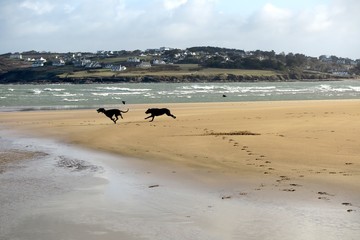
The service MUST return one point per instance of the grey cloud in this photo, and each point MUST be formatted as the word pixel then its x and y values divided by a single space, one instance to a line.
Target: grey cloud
pixel 90 25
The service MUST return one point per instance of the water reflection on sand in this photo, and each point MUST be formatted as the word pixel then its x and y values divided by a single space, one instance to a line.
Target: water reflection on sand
pixel 72 193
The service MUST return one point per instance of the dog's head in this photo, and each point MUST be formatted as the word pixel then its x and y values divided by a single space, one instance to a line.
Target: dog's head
pixel 101 110
pixel 148 111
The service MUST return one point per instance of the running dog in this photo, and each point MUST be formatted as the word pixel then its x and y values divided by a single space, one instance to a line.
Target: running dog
pixel 158 112
pixel 111 113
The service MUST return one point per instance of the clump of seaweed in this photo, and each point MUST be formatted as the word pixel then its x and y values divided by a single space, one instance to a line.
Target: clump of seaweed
pixel 76 164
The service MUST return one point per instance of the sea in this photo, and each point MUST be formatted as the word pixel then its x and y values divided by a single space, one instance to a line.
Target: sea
pixel 114 192
pixel 32 97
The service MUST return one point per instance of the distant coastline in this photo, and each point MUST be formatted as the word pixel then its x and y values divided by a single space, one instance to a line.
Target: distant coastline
pixel 168 65
pixel 29 76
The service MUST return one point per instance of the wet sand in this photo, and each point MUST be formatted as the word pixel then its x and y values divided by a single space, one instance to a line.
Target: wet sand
pixel 217 171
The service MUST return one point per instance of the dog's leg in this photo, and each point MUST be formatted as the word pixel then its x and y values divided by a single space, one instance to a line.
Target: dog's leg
pixel 170 115
pixel 113 119
pixel 150 117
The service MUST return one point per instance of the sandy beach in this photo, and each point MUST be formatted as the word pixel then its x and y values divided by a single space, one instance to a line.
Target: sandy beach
pixel 219 170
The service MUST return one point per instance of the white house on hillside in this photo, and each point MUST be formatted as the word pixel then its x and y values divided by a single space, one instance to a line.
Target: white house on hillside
pixel 16 56
pixel 144 65
pixel 58 62
pixel 133 59
pixel 118 68
pixel 158 62
pixel 39 62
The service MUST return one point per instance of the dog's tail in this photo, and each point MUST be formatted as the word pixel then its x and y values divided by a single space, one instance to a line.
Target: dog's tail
pixel 124 111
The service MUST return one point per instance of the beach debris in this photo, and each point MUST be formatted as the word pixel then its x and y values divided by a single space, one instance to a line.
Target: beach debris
pixel 154 186
pixel 283 178
pixel 324 193
pixel 289 190
pixel 75 164
pixel 295 185
pixel 225 197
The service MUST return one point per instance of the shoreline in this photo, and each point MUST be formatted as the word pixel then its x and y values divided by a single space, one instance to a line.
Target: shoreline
pixel 70 96
pixel 203 141
pixel 125 193
pixel 173 79
pixel 303 161
pixel 135 80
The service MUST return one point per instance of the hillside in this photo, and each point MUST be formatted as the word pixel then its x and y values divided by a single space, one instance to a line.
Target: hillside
pixel 7 64
pixel 197 64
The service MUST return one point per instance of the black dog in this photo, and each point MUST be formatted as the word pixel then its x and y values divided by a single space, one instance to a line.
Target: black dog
pixel 158 112
pixel 112 112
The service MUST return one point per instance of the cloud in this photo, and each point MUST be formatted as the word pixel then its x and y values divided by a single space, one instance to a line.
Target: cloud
pixel 172 4
pixel 274 14
pixel 328 27
pixel 37 7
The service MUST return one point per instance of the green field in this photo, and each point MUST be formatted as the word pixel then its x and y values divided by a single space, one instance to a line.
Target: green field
pixel 171 70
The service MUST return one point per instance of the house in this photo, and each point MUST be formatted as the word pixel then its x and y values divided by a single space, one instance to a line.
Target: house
pixel 163 49
pixel 39 62
pixel 82 62
pixel 115 68
pixel 144 65
pixel 340 73
pixel 16 56
pixel 133 60
pixel 58 62
pixel 159 62
pixel 108 66
pixel 93 65
pixel 118 68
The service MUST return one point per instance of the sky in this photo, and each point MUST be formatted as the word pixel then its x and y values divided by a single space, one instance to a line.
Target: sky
pixel 310 27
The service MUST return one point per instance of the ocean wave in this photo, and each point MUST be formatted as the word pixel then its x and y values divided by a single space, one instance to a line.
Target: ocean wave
pixel 341 89
pixel 35 91
pixel 74 100
pixel 54 89
pixel 205 87
pixel 66 94
pixel 93 94
pixel 124 89
pixel 356 89
pixel 106 94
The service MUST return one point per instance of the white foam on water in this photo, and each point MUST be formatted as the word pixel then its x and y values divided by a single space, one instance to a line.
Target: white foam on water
pixel 34 96
pixel 54 89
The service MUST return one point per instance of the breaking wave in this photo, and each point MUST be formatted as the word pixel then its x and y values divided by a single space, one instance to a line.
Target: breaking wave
pixel 94 95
